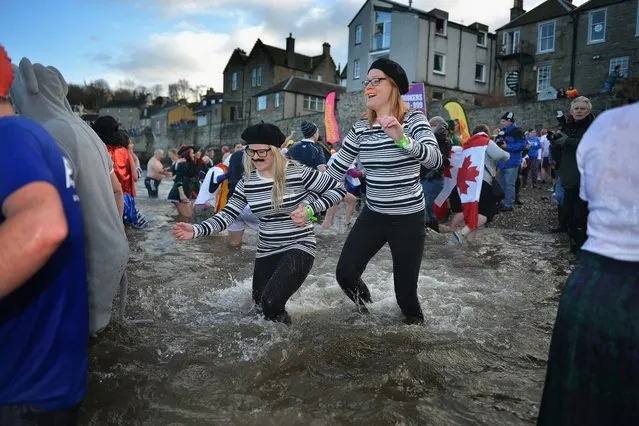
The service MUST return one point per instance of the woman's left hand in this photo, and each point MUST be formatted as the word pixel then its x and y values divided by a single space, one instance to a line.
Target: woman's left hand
pixel 391 127
pixel 300 215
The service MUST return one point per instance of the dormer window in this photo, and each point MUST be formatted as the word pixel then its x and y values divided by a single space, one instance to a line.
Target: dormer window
pixel 440 26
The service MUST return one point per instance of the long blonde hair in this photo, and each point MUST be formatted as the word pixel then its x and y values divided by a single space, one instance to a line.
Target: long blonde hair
pixel 280 163
pixel 399 109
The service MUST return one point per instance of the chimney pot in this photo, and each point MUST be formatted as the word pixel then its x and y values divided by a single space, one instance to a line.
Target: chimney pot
pixel 290 50
pixel 326 49
pixel 517 10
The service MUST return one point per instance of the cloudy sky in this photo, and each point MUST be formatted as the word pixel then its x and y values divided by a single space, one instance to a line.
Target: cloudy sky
pixel 161 41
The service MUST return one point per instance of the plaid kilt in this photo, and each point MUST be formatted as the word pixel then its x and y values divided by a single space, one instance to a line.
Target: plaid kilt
pixel 593 365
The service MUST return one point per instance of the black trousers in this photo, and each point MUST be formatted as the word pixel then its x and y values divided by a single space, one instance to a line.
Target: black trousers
pixel 23 415
pixel 405 235
pixel 573 217
pixel 152 186
pixel 277 277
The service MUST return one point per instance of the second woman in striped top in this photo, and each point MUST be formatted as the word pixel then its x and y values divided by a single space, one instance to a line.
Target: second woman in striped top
pixel 283 195
pixel 391 144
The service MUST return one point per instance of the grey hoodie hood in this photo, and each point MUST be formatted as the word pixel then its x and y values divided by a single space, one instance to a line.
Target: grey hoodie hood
pixel 39 93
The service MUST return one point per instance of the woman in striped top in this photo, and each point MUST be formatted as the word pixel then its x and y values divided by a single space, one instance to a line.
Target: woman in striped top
pixel 284 196
pixel 392 143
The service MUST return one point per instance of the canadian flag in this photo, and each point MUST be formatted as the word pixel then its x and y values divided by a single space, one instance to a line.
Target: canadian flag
pixel 466 171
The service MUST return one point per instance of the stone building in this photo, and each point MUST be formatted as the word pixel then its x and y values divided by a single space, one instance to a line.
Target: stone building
pixel 607 36
pixel 293 97
pixel 432 49
pixel 127 113
pixel 265 66
pixel 557 45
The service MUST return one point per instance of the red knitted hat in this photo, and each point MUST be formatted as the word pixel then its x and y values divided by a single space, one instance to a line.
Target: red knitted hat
pixel 6 73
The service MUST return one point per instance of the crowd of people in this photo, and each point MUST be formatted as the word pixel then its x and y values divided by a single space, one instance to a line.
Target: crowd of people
pixel 67 191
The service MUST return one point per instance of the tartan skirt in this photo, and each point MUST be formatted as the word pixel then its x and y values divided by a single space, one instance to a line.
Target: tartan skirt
pixel 593 365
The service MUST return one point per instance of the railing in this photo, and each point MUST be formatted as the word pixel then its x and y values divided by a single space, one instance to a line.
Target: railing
pixel 522 47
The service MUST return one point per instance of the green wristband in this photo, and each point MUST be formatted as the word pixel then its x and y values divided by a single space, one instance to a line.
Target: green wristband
pixel 311 214
pixel 402 142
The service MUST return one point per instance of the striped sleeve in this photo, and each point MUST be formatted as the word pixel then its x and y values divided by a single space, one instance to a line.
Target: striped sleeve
pixel 329 190
pixel 345 156
pixel 423 145
pixel 225 217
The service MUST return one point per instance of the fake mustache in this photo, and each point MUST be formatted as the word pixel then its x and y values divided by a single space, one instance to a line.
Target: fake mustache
pixel 370 91
pixel 255 160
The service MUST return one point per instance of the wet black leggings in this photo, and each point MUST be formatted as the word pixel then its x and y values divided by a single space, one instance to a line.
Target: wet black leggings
pixel 277 277
pixel 405 236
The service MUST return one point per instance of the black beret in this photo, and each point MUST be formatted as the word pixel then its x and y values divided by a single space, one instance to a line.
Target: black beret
pixel 184 148
pixel 263 134
pixel 394 71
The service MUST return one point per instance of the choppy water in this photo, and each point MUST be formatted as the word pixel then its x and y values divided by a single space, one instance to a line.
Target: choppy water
pixel 207 359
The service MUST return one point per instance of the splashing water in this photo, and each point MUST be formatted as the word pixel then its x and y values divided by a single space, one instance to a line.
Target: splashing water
pixel 209 358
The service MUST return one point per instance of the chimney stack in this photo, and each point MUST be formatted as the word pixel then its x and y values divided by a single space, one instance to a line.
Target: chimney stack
pixel 410 4
pixel 517 10
pixel 290 50
pixel 326 49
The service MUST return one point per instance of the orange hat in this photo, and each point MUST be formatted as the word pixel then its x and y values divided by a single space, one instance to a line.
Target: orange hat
pixel 6 73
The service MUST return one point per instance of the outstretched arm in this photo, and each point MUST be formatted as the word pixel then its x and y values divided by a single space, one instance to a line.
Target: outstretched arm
pixel 224 218
pixel 329 190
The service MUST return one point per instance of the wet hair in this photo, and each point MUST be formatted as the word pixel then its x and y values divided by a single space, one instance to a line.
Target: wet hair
pixel 106 128
pixel 121 138
pixel 482 128
pixel 531 130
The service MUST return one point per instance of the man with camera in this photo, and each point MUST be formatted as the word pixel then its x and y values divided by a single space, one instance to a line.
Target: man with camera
pixel 511 139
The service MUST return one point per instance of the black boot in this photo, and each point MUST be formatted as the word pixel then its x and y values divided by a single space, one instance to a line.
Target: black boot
pixel 562 222
pixel 434 226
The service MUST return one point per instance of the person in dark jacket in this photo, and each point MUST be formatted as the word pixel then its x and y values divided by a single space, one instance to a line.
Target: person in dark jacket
pixel 511 139
pixel 432 181
pixel 573 210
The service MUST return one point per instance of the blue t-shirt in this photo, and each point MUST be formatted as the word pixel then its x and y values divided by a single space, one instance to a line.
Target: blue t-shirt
pixel 44 324
pixel 308 153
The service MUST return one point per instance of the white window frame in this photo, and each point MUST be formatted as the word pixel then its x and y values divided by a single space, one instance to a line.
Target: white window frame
pixel 539 68
pixel 386 25
pixel 313 103
pixel 516 39
pixel 358 34
pixel 276 100
pixel 443 70
pixel 620 60
pixel 483 73
pixel 234 81
pixel 590 23
pixel 259 76
pixel 319 77
pixel 554 36
pixel 356 69
pixel 505 42
pixel 485 34
pixel 261 103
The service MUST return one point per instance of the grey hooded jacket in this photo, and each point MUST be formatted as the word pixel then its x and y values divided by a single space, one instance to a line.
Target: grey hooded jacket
pixel 39 93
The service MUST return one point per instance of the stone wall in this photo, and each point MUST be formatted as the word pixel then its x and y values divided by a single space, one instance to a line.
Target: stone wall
pixel 350 108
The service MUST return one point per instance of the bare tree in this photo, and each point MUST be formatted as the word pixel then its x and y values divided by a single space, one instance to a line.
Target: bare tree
pixel 156 90
pixel 174 92
pixel 126 84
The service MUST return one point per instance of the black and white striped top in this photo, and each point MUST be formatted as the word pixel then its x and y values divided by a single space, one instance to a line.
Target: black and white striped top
pixel 277 232
pixel 392 173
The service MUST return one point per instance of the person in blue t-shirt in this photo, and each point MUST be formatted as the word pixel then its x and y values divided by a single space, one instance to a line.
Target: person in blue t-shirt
pixel 307 151
pixel 512 140
pixel 44 314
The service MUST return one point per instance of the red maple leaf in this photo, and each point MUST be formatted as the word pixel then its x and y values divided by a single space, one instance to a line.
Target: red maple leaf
pixel 466 173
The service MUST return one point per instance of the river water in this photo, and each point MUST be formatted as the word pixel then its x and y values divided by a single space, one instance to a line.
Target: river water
pixel 208 359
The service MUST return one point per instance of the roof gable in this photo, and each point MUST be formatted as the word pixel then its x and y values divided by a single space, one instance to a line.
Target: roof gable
pixel 238 57
pixel 594 4
pixel 303 86
pixel 547 10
